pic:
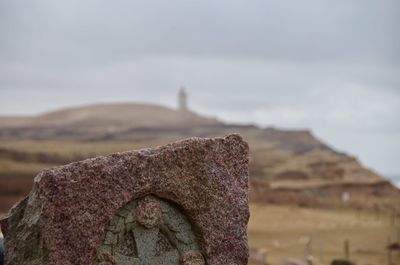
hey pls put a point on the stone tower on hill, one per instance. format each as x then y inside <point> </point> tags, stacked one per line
<point>182,100</point>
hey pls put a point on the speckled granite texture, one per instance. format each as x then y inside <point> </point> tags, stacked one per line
<point>65,217</point>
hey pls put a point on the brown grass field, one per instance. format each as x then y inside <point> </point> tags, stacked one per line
<point>283,231</point>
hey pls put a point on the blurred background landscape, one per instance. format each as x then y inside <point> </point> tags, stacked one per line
<point>313,86</point>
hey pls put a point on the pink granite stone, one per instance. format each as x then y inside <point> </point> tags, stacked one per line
<point>148,212</point>
<point>65,216</point>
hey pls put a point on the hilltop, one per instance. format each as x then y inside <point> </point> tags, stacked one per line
<point>287,166</point>
<point>100,119</point>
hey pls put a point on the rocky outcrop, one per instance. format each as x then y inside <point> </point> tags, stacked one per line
<point>190,197</point>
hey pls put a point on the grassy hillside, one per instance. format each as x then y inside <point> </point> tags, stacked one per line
<point>287,167</point>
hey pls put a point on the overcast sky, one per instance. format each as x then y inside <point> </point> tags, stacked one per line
<point>331,66</point>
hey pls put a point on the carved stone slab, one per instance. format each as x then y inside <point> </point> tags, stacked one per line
<point>149,231</point>
<point>183,203</point>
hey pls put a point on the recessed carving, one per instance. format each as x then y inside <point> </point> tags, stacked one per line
<point>148,212</point>
<point>140,233</point>
<point>192,258</point>
<point>105,259</point>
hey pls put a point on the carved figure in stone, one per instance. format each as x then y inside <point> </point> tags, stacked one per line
<point>149,231</point>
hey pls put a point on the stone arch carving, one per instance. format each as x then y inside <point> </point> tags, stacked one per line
<point>148,231</point>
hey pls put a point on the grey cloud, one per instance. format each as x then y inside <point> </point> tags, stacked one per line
<point>106,31</point>
<point>332,66</point>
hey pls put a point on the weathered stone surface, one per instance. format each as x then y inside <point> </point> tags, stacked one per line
<point>146,238</point>
<point>148,212</point>
<point>186,202</point>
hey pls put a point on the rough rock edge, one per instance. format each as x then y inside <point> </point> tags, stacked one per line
<point>219,217</point>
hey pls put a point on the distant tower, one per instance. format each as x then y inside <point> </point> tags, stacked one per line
<point>182,100</point>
